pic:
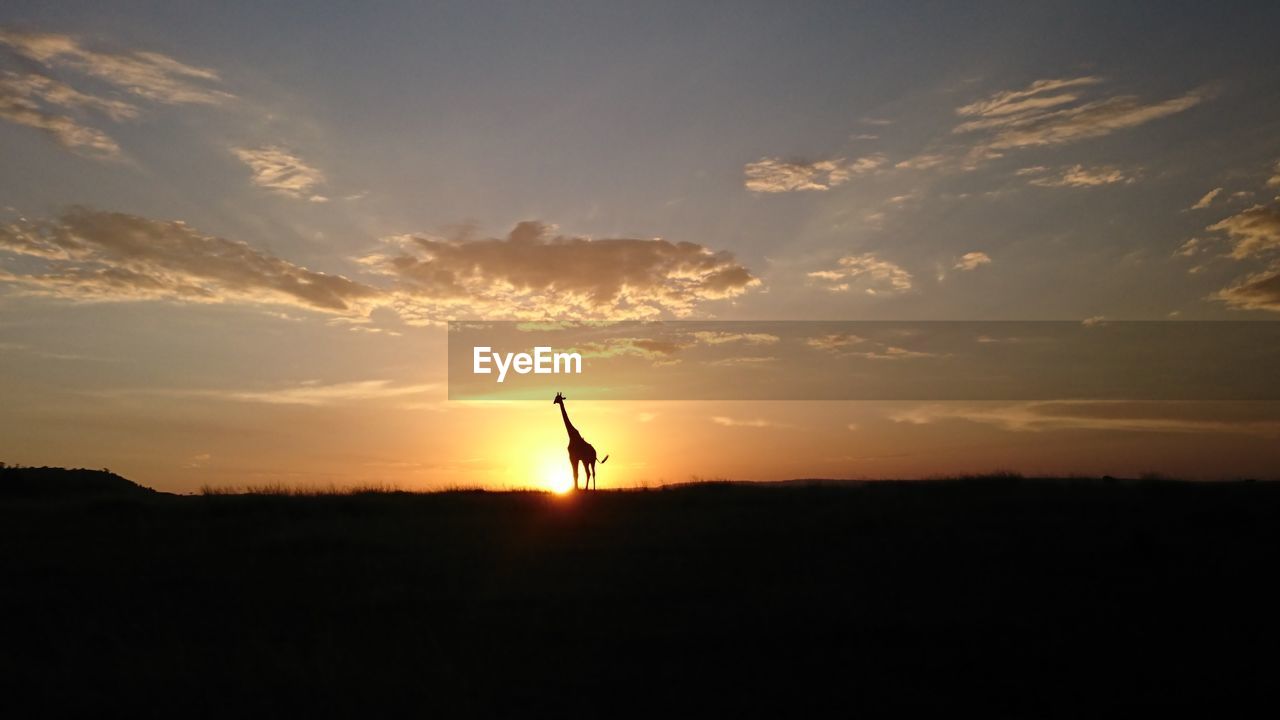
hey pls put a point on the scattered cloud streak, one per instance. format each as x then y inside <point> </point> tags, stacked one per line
<point>149,75</point>
<point>773,175</point>
<point>280,170</point>
<point>1258,291</point>
<point>973,261</point>
<point>309,393</point>
<point>1098,415</point>
<point>1253,232</point>
<point>1078,176</point>
<point>1041,115</point>
<point>747,423</point>
<point>1207,200</point>
<point>36,100</point>
<point>29,100</point>
<point>874,275</point>
<point>1049,112</point>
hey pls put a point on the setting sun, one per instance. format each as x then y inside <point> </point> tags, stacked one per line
<point>556,477</point>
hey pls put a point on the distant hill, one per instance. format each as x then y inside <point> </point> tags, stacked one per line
<point>64,482</point>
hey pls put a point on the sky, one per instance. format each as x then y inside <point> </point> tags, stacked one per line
<point>231,234</point>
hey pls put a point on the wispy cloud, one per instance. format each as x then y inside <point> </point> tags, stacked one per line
<point>1258,291</point>
<point>1042,115</point>
<point>1045,113</point>
<point>747,423</point>
<point>280,170</point>
<point>973,261</point>
<point>710,337</point>
<point>38,101</point>
<point>1037,96</point>
<point>29,100</point>
<point>64,130</point>
<point>833,342</point>
<point>1254,231</point>
<point>894,352</point>
<point>1109,416</point>
<point>744,361</point>
<point>311,393</point>
<point>1207,200</point>
<point>1078,176</point>
<point>874,275</point>
<point>150,75</point>
<point>773,175</point>
<point>53,92</point>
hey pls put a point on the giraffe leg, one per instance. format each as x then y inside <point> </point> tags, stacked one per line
<point>573,461</point>
<point>591,475</point>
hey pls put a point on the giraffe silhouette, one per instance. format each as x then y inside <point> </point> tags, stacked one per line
<point>580,451</point>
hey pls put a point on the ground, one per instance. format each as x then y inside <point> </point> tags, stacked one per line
<point>1029,597</point>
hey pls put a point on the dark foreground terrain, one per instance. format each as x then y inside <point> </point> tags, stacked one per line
<point>1027,597</point>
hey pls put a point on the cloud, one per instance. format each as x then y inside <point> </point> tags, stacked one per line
<point>648,348</point>
<point>153,76</point>
<point>1207,200</point>
<point>1078,176</point>
<point>1274,180</point>
<point>1259,291</point>
<point>1091,120</point>
<point>89,255</point>
<point>1191,248</point>
<point>710,337</point>
<point>1033,97</point>
<point>104,256</point>
<point>878,276</point>
<point>277,169</point>
<point>1254,231</point>
<point>772,175</point>
<point>310,393</point>
<point>750,423</point>
<point>534,274</point>
<point>972,261</point>
<point>833,342</point>
<point>64,130</point>
<point>747,361</point>
<point>1032,117</point>
<point>1109,416</point>
<point>53,92</point>
<point>30,98</point>
<point>895,353</point>
<point>923,161</point>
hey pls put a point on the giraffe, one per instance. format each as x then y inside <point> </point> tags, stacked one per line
<point>580,451</point>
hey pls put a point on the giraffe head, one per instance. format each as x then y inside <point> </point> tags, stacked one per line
<point>559,400</point>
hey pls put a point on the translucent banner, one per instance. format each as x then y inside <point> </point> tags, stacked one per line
<point>865,360</point>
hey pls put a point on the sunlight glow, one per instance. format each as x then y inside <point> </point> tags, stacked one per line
<point>556,476</point>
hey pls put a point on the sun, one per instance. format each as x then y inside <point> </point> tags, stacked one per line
<point>554,474</point>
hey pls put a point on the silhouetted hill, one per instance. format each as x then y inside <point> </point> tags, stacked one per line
<point>53,482</point>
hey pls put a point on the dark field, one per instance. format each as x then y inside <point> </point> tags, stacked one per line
<point>1026,597</point>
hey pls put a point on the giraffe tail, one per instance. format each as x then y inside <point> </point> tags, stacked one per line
<point>605,460</point>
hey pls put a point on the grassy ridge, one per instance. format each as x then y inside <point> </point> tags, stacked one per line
<point>1025,595</point>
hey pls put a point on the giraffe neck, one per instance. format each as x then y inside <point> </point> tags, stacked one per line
<point>567,425</point>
